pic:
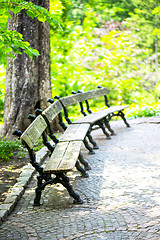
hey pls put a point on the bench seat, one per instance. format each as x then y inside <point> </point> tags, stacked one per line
<point>94,117</point>
<point>64,157</point>
<point>75,132</point>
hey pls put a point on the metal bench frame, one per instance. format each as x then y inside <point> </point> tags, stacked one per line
<point>100,118</point>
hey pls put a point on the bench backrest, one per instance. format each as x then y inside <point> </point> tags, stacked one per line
<point>80,97</point>
<point>31,135</point>
<point>83,97</point>
<point>52,111</point>
<point>49,114</point>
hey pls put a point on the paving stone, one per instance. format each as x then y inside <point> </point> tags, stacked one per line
<point>3,215</point>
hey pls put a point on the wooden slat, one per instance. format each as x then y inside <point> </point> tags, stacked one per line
<point>75,132</point>
<point>64,157</point>
<point>68,101</point>
<point>92,118</point>
<point>56,157</point>
<point>71,156</point>
<point>34,131</point>
<point>52,111</point>
<point>73,99</point>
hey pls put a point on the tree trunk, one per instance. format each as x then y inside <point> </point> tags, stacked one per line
<point>28,84</point>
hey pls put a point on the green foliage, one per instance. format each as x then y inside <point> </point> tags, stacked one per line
<point>39,145</point>
<point>156,12</point>
<point>7,149</point>
<point>116,10</point>
<point>96,56</point>
<point>11,42</point>
<point>143,22</point>
<point>143,110</point>
<point>32,10</point>
<point>99,50</point>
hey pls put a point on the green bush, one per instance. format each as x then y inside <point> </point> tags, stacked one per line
<point>7,149</point>
<point>136,111</point>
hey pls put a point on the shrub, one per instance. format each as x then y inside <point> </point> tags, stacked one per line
<point>136,111</point>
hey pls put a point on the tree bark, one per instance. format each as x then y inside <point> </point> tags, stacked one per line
<point>28,84</point>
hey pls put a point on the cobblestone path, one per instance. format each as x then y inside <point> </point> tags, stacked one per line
<point>121,196</point>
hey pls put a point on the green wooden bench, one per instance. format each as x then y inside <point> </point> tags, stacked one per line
<point>100,118</point>
<point>64,154</point>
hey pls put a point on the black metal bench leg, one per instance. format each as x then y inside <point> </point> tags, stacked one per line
<point>82,170</point>
<point>68,186</point>
<point>108,126</point>
<point>92,141</point>
<point>37,198</point>
<point>88,146</point>
<point>121,114</point>
<point>85,163</point>
<point>101,125</point>
<point>38,192</point>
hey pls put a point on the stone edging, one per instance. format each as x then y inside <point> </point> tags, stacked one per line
<point>18,189</point>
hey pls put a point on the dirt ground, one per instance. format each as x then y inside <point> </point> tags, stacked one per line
<point>9,172</point>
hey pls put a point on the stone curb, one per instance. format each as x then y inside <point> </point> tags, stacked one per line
<point>18,189</point>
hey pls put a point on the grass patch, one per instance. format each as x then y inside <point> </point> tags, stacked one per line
<point>7,149</point>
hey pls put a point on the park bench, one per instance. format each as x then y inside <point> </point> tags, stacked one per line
<point>66,151</point>
<point>64,154</point>
<point>71,132</point>
<point>100,118</point>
